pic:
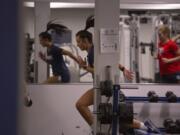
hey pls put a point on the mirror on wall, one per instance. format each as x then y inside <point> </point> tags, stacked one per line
<point>140,38</point>
<point>74,20</point>
<point>138,41</point>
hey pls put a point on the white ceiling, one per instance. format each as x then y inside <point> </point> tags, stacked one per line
<point>121,1</point>
<point>124,4</point>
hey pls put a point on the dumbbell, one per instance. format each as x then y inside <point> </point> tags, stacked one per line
<point>152,96</point>
<point>170,125</point>
<point>178,125</point>
<point>121,96</point>
<point>171,97</point>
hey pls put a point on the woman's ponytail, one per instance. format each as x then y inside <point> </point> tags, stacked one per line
<point>89,22</point>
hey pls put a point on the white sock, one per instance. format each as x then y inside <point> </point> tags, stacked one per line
<point>142,126</point>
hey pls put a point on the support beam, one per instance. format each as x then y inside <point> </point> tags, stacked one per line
<point>106,46</point>
<point>42,17</point>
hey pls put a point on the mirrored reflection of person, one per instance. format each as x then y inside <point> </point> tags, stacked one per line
<point>55,59</point>
<point>169,56</point>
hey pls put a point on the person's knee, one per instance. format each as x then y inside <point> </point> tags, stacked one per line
<point>78,105</point>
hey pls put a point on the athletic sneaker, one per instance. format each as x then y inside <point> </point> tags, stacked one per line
<point>151,127</point>
<point>140,132</point>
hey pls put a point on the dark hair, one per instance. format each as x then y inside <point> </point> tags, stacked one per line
<point>58,28</point>
<point>89,22</point>
<point>84,34</point>
<point>45,35</point>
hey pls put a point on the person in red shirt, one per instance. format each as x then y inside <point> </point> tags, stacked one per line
<point>169,57</point>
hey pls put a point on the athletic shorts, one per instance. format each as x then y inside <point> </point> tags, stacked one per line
<point>171,78</point>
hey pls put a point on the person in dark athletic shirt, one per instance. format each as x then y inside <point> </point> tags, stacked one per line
<point>55,59</point>
<point>84,41</point>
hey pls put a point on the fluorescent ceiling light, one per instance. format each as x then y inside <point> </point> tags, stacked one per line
<point>63,5</point>
<point>71,5</point>
<point>29,4</point>
<point>150,6</point>
<point>122,6</point>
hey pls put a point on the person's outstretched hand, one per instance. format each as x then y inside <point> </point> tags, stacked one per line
<point>128,74</point>
<point>81,62</point>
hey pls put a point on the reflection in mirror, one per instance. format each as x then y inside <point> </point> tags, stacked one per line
<point>30,71</point>
<point>74,20</point>
<point>29,43</point>
<point>138,41</point>
<point>139,45</point>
